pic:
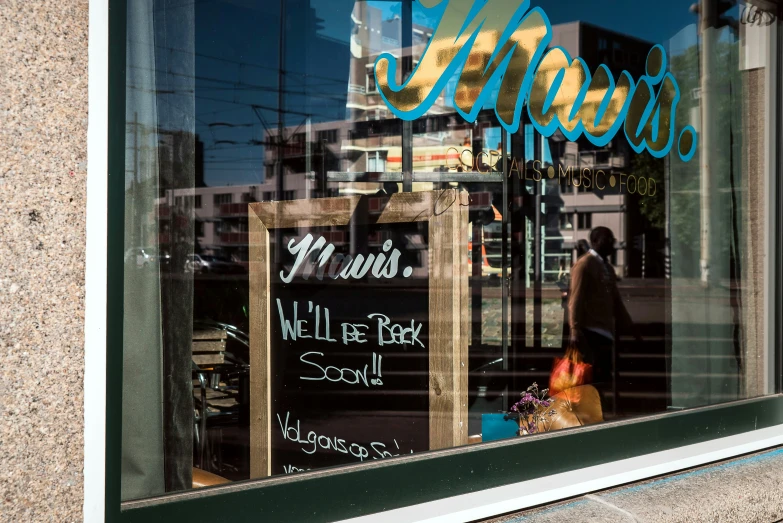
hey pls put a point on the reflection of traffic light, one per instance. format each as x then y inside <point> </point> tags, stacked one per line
<point>713,13</point>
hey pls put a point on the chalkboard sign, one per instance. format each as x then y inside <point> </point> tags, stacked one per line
<point>357,337</point>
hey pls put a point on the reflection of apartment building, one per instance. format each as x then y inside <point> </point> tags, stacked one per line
<point>367,150</point>
<point>582,208</point>
<point>378,148</point>
<point>370,140</point>
<point>221,221</point>
<point>220,217</point>
<point>220,214</point>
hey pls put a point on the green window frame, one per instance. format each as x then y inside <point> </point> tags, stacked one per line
<point>365,489</point>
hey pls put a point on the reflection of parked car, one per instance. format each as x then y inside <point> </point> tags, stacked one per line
<point>202,263</point>
<point>165,259</point>
<point>143,256</point>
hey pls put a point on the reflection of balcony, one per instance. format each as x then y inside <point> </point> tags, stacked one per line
<point>601,160</point>
<point>236,210</point>
<point>356,47</point>
<point>359,98</point>
<point>290,150</point>
<point>233,238</point>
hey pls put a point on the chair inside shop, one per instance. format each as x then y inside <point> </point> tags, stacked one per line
<point>220,392</point>
<point>202,478</point>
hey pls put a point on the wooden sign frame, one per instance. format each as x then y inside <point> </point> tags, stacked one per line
<point>447,214</point>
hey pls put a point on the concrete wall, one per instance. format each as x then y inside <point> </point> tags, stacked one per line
<point>43,169</point>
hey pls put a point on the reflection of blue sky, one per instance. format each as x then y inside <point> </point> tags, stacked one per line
<point>237,75</point>
<point>546,153</point>
<point>491,141</point>
<point>654,21</point>
<point>491,138</point>
<point>237,64</point>
<point>333,14</point>
<point>683,40</point>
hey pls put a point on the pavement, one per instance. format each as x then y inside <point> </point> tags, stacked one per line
<point>746,490</point>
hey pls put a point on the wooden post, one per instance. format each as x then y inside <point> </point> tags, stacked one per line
<point>260,409</point>
<point>448,342</point>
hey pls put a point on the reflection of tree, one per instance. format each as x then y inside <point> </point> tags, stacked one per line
<point>652,208</point>
<point>140,226</point>
<point>685,178</point>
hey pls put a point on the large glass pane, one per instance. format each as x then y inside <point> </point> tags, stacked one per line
<point>361,229</point>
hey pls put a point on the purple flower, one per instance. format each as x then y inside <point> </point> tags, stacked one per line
<point>531,408</point>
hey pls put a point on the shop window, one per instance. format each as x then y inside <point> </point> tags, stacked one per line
<point>221,199</point>
<point>327,136</point>
<point>375,163</point>
<point>302,338</point>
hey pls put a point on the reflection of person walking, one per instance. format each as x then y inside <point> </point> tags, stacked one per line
<point>595,310</point>
<point>582,247</point>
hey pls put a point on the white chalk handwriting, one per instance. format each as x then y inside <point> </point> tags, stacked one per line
<point>388,333</point>
<point>317,257</point>
<point>345,375</point>
<point>314,442</point>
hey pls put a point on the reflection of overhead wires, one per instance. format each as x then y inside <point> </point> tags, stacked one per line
<point>266,107</point>
<point>228,124</point>
<point>236,86</point>
<point>234,148</point>
<point>241,104</point>
<point>244,63</point>
<point>327,96</point>
<point>234,160</point>
<point>204,85</point>
<point>234,169</point>
<point>171,7</point>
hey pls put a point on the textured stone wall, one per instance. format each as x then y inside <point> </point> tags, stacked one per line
<point>755,215</point>
<point>43,170</point>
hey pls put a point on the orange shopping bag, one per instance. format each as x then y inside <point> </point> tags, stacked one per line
<point>569,371</point>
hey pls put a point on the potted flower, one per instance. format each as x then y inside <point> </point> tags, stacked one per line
<point>532,409</point>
